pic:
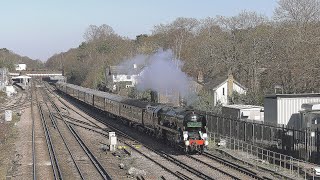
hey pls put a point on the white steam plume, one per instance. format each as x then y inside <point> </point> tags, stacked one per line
<point>162,73</point>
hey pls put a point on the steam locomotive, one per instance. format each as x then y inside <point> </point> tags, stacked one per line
<point>180,127</point>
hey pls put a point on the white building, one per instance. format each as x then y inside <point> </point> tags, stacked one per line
<point>120,76</point>
<point>284,109</point>
<point>223,87</point>
<point>241,111</point>
<point>21,67</point>
<point>23,81</point>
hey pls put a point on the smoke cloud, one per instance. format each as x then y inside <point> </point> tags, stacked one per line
<point>161,73</point>
<point>139,61</point>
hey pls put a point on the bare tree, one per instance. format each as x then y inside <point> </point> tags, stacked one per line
<point>102,32</point>
<point>298,11</point>
<point>244,20</point>
<point>179,30</point>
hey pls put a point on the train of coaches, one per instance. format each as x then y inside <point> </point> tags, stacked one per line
<point>181,127</point>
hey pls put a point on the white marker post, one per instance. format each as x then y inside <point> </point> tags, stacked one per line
<point>8,115</point>
<point>112,141</point>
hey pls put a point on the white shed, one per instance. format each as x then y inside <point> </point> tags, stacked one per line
<point>284,108</point>
<point>242,111</point>
<point>10,90</point>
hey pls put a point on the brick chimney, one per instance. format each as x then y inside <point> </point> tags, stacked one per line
<point>230,83</point>
<point>200,77</point>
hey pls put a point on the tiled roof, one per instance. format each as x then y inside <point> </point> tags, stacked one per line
<point>218,80</point>
<point>214,82</point>
<point>116,70</point>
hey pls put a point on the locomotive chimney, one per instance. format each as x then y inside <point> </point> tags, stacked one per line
<point>230,83</point>
<point>200,77</point>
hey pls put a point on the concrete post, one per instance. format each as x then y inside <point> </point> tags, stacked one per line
<point>112,141</point>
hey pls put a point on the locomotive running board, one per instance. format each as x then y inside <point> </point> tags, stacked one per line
<point>168,129</point>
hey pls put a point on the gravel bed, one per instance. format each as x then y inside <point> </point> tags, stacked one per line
<point>8,136</point>
<point>12,100</point>
<point>203,168</point>
<point>222,167</point>
<point>14,139</point>
<point>252,162</point>
<point>23,145</point>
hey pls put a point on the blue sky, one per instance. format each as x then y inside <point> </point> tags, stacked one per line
<point>41,28</point>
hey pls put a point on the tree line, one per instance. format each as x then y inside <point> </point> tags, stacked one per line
<point>262,53</point>
<point>8,59</point>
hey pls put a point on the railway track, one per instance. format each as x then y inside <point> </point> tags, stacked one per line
<point>217,166</point>
<point>33,142</point>
<point>96,128</point>
<point>237,170</point>
<point>51,149</point>
<point>168,157</point>
<point>19,104</point>
<point>233,166</point>
<point>179,175</point>
<point>104,174</point>
<point>103,132</point>
<point>55,168</point>
<point>67,127</point>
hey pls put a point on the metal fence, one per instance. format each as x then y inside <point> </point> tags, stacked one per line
<point>296,143</point>
<point>272,161</point>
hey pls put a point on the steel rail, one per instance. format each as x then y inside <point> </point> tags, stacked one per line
<point>67,146</point>
<point>178,175</point>
<point>33,140</point>
<point>215,168</point>
<point>53,159</point>
<point>233,165</point>
<point>104,174</point>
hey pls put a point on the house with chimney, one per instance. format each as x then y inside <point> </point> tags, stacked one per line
<point>222,87</point>
<point>120,77</point>
<point>20,67</point>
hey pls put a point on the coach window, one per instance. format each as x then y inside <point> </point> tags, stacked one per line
<point>315,120</point>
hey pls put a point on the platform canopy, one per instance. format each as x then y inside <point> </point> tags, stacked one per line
<point>21,77</point>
